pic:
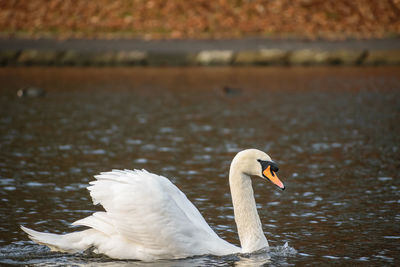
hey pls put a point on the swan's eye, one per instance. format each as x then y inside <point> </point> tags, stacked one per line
<point>265,164</point>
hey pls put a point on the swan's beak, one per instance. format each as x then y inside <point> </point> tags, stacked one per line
<point>268,173</point>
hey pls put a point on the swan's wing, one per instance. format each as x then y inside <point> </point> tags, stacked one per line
<point>151,213</point>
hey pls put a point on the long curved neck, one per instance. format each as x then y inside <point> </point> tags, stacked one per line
<point>248,222</point>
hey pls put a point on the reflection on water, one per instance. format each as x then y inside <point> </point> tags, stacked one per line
<point>334,131</point>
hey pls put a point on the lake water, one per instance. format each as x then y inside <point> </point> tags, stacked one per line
<point>335,133</point>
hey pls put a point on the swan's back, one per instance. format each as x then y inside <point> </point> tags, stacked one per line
<point>146,217</point>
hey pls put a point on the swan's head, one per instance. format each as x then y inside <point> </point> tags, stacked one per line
<point>254,162</point>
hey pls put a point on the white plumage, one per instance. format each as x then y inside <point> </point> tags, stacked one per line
<point>147,218</point>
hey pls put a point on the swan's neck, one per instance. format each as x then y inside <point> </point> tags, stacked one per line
<point>248,222</point>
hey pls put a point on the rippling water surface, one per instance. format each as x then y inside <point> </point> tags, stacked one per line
<point>334,131</point>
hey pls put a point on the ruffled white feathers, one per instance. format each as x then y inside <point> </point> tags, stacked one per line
<point>146,217</point>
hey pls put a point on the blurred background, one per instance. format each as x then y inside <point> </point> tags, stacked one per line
<point>201,19</point>
<point>178,88</point>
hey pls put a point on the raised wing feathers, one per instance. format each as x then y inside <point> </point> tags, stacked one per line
<point>150,212</point>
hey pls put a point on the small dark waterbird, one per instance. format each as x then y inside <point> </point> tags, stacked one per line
<point>31,92</point>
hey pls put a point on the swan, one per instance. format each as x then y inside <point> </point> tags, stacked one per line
<point>148,218</point>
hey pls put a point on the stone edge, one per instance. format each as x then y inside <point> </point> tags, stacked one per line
<point>261,57</point>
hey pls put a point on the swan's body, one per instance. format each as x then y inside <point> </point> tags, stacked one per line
<point>147,217</point>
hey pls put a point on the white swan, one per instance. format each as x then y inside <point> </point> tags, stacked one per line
<point>148,218</point>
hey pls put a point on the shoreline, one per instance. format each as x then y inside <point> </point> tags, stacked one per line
<point>233,52</point>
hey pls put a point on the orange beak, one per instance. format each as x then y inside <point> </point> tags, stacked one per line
<point>268,173</point>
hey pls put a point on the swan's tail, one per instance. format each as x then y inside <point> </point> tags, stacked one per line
<point>72,242</point>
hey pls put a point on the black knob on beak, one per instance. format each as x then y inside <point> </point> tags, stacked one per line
<point>274,166</point>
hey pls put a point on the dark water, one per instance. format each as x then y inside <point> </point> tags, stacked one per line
<point>334,131</point>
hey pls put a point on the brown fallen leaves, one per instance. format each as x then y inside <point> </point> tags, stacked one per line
<point>152,19</point>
